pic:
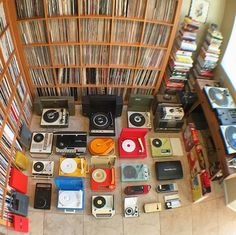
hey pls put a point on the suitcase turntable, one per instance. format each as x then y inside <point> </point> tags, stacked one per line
<point>219,97</point>
<point>229,137</point>
<point>41,142</point>
<point>161,147</point>
<point>139,120</point>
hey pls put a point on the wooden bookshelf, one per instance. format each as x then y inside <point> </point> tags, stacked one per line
<point>118,46</point>
<point>15,106</point>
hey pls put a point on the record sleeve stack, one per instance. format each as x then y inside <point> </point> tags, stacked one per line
<point>209,54</point>
<point>181,60</point>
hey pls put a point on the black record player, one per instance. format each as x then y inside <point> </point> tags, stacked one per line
<point>102,124</point>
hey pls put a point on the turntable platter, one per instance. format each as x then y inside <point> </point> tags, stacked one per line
<point>101,120</point>
<point>99,175</point>
<point>99,202</point>
<point>130,172</point>
<point>38,166</point>
<point>157,143</point>
<point>38,137</point>
<point>218,96</point>
<point>67,198</point>
<point>137,119</point>
<point>68,165</point>
<point>230,134</point>
<point>128,146</point>
<point>51,115</point>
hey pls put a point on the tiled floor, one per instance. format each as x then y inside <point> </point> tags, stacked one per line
<point>209,217</point>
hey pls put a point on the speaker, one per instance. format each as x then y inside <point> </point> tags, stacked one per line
<point>230,191</point>
<point>43,102</point>
<point>42,198</point>
<point>102,103</point>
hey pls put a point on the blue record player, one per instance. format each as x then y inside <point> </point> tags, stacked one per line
<point>70,193</point>
<point>134,172</point>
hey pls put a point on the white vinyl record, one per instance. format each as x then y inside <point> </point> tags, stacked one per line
<point>67,198</point>
<point>68,165</point>
<point>99,175</point>
<point>128,146</point>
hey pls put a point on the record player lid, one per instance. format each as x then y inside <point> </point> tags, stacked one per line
<point>141,103</point>
<point>133,132</point>
<point>106,161</point>
<point>69,183</point>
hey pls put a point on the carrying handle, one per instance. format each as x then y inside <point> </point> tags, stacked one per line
<point>69,211</point>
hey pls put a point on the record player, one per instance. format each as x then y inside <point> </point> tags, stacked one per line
<point>161,147</point>
<point>229,137</point>
<point>139,111</point>
<point>102,146</point>
<point>102,173</point>
<point>71,142</point>
<point>226,116</point>
<point>41,142</point>
<point>102,110</point>
<point>103,206</point>
<point>42,169</point>
<point>132,143</point>
<point>134,172</point>
<point>131,207</point>
<point>76,167</point>
<point>70,193</point>
<point>172,113</point>
<point>55,117</point>
<point>219,97</point>
<point>42,196</point>
<point>102,124</point>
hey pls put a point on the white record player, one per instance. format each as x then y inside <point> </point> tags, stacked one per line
<point>219,97</point>
<point>131,207</point>
<point>172,113</point>
<point>43,169</point>
<point>139,119</point>
<point>41,142</point>
<point>55,117</point>
<point>70,199</point>
<point>103,206</point>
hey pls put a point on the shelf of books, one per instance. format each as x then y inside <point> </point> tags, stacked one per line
<point>15,108</point>
<point>75,47</point>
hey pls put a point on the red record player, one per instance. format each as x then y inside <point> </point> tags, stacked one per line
<point>132,143</point>
<point>102,173</point>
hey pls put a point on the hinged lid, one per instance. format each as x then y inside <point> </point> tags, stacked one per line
<point>103,161</point>
<point>25,135</point>
<point>69,183</point>
<point>140,103</point>
<point>133,132</point>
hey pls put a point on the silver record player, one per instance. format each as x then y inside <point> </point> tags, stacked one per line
<point>41,142</point>
<point>219,97</point>
<point>43,169</point>
<point>229,137</point>
<point>139,119</point>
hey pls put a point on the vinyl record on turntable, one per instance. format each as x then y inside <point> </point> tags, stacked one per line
<point>137,119</point>
<point>51,115</point>
<point>100,120</point>
<point>38,137</point>
<point>157,143</point>
<point>38,166</point>
<point>218,96</point>
<point>129,172</point>
<point>99,175</point>
<point>230,134</point>
<point>99,202</point>
<point>68,165</point>
<point>128,145</point>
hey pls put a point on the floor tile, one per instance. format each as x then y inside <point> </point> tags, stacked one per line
<point>112,226</point>
<point>61,224</point>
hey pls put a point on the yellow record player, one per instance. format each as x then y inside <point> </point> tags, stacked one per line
<point>76,167</point>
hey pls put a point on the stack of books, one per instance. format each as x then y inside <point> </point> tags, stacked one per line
<point>181,61</point>
<point>209,54</point>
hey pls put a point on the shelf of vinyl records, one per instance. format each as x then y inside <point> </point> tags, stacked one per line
<point>128,41</point>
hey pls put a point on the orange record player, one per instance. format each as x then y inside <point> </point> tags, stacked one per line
<point>101,146</point>
<point>132,143</point>
<point>76,167</point>
<point>102,173</point>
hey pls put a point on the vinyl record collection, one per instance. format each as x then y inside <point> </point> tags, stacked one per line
<point>181,60</point>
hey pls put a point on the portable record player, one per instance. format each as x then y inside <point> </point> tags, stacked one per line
<point>71,142</point>
<point>161,147</point>
<point>226,116</point>
<point>70,193</point>
<point>55,117</point>
<point>102,173</point>
<point>102,124</point>
<point>41,142</point>
<point>132,143</point>
<point>229,137</point>
<point>103,206</point>
<point>172,113</point>
<point>131,207</point>
<point>76,167</point>
<point>139,111</point>
<point>134,172</point>
<point>42,169</point>
<point>219,97</point>
<point>101,146</point>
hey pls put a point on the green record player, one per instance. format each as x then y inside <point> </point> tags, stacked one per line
<point>141,103</point>
<point>161,147</point>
